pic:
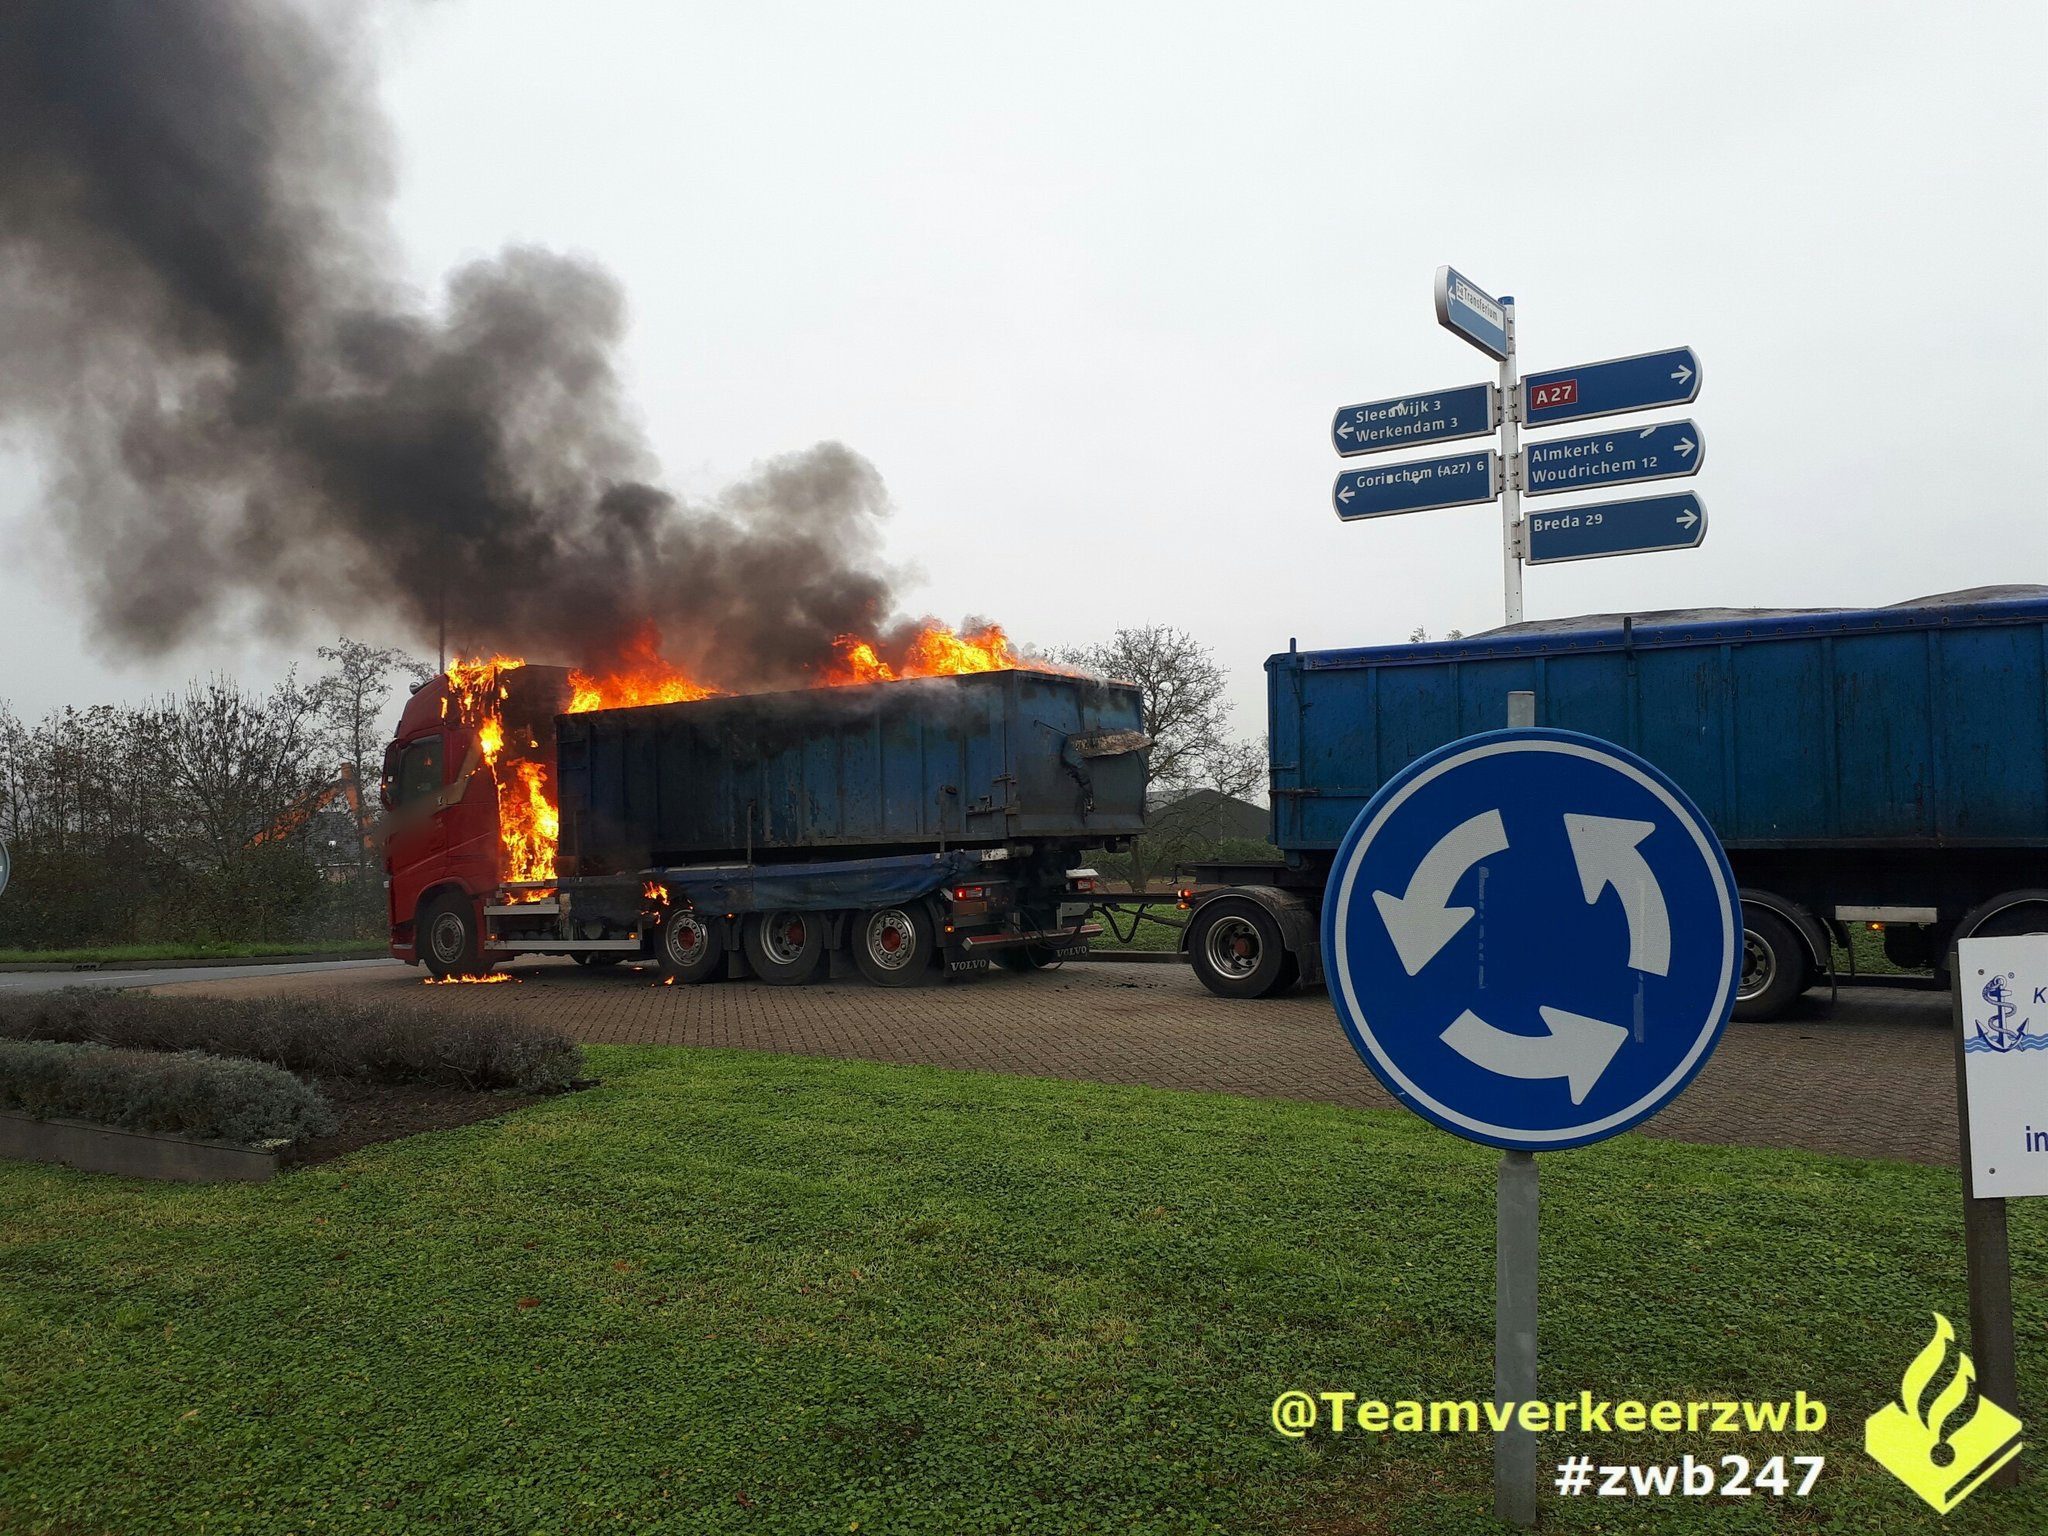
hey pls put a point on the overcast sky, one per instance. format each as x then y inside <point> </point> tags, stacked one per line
<point>1085,282</point>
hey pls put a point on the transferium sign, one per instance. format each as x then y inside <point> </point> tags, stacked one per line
<point>1417,485</point>
<point>1404,421</point>
<point>1464,307</point>
<point>1531,937</point>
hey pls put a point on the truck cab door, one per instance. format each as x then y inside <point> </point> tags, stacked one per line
<point>416,835</point>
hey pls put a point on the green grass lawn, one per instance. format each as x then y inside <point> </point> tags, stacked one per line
<point>101,954</point>
<point>737,1292</point>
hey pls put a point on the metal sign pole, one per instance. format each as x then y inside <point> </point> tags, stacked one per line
<point>1511,472</point>
<point>1986,1253</point>
<point>1514,1284</point>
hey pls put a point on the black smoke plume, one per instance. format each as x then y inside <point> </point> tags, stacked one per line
<point>242,414</point>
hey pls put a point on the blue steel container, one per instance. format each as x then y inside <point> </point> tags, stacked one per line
<point>1918,726</point>
<point>978,760</point>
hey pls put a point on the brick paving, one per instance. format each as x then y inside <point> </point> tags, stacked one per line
<point>1871,1077</point>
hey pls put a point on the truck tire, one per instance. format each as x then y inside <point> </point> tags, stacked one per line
<point>446,931</point>
<point>894,946</point>
<point>1771,970</point>
<point>687,948</point>
<point>1235,949</point>
<point>2006,916</point>
<point>784,948</point>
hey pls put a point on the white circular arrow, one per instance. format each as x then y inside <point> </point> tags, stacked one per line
<point>1421,923</point>
<point>1577,1048</point>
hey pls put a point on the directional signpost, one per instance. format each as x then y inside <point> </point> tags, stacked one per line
<point>1644,383</point>
<point>1438,416</point>
<point>1418,485</point>
<point>1669,451</point>
<point>1616,528</point>
<point>1531,937</point>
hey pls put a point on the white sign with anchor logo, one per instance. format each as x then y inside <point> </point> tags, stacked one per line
<point>2004,988</point>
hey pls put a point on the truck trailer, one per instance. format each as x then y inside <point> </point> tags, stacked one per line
<point>894,829</point>
<point>1877,768</point>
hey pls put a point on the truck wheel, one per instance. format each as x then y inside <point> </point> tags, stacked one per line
<point>2007,916</point>
<point>784,948</point>
<point>1235,948</point>
<point>446,930</point>
<point>894,946</point>
<point>687,949</point>
<point>1772,968</point>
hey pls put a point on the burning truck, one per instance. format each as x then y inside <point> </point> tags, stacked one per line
<point>894,821</point>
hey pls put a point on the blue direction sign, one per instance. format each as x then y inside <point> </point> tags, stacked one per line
<point>1621,384</point>
<point>1668,451</point>
<point>1531,938</point>
<point>1468,309</point>
<point>1434,416</point>
<point>1616,528</point>
<point>1418,485</point>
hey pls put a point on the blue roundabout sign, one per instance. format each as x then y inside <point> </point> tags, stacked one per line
<point>1531,937</point>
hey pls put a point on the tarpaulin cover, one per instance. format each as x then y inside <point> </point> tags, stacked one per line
<point>861,883</point>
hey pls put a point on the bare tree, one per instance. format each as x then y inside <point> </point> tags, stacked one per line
<point>1186,715</point>
<point>234,761</point>
<point>352,700</point>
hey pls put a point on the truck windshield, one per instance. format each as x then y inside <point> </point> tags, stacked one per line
<point>418,773</point>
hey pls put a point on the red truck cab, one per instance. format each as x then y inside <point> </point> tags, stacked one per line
<point>441,848</point>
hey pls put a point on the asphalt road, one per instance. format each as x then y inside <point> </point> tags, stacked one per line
<point>1873,1076</point>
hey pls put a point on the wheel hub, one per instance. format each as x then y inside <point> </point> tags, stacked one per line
<point>891,940</point>
<point>1233,946</point>
<point>783,936</point>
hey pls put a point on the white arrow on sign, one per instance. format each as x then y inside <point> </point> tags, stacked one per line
<point>1604,847</point>
<point>1681,373</point>
<point>1687,519</point>
<point>1420,923</point>
<point>1577,1048</point>
<point>1684,447</point>
<point>1346,494</point>
<point>1345,430</point>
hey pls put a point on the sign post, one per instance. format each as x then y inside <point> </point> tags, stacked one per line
<point>1531,938</point>
<point>1511,550</point>
<point>1515,1206</point>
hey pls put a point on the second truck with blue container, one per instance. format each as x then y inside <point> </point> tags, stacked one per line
<point>1883,769</point>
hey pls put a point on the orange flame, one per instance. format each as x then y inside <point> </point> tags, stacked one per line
<point>465,981</point>
<point>642,675</point>
<point>528,825</point>
<point>935,651</point>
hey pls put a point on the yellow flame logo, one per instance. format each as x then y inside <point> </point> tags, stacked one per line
<point>1925,1439</point>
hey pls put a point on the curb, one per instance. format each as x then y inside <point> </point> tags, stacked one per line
<point>132,1154</point>
<point>187,964</point>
